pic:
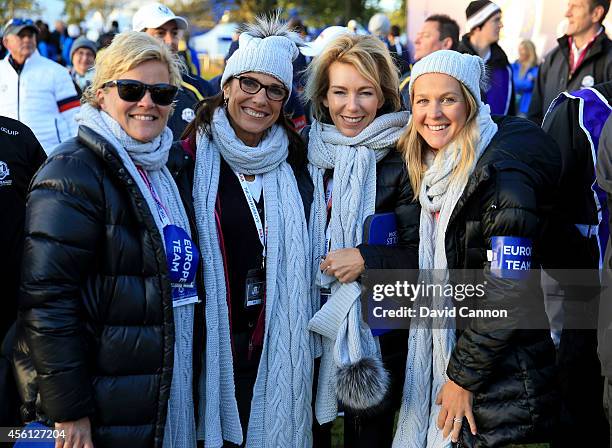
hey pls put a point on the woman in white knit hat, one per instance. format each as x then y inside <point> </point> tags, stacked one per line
<point>250,173</point>
<point>483,186</point>
<point>356,171</point>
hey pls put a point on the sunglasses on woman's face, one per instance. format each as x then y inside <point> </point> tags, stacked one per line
<point>132,91</point>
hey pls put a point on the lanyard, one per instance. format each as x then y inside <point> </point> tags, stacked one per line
<point>161,210</point>
<point>261,233</point>
<point>575,64</point>
<point>329,186</point>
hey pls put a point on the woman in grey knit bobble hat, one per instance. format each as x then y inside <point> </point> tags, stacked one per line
<point>356,170</point>
<point>483,185</point>
<point>248,182</point>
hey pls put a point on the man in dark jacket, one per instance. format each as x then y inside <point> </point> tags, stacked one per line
<point>575,121</point>
<point>484,22</point>
<point>582,59</point>
<point>604,179</point>
<point>160,22</point>
<point>20,157</point>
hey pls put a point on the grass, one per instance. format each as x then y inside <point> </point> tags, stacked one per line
<point>337,433</point>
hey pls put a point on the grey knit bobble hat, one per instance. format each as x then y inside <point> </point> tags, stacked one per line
<point>83,42</point>
<point>268,47</point>
<point>468,69</point>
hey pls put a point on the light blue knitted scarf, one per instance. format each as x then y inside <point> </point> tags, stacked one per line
<point>430,344</point>
<point>346,340</point>
<point>281,415</point>
<point>152,157</point>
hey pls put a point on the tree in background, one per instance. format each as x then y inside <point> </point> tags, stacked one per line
<point>17,8</point>
<point>205,13</point>
<point>76,10</point>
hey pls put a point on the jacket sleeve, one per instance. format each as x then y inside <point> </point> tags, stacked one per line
<point>509,209</point>
<point>535,112</point>
<point>527,83</point>
<point>36,153</point>
<point>604,158</point>
<point>64,225</point>
<point>68,102</point>
<point>512,103</point>
<point>405,254</point>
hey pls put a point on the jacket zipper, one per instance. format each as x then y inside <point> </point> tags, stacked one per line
<point>57,133</point>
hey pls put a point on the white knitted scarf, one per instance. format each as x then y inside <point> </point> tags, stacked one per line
<point>152,157</point>
<point>281,414</point>
<point>429,350</point>
<point>346,338</point>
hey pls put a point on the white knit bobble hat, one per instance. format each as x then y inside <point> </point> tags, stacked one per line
<point>468,69</point>
<point>272,55</point>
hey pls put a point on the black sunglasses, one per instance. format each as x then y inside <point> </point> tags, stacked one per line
<point>132,91</point>
<point>252,86</point>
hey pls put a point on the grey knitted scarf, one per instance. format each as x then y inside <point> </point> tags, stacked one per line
<point>152,158</point>
<point>281,413</point>
<point>429,350</point>
<point>348,347</point>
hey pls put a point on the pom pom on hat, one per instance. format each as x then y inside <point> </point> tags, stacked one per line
<point>266,46</point>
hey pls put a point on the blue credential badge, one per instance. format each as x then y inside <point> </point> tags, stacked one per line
<point>380,229</point>
<point>183,258</point>
<point>511,256</point>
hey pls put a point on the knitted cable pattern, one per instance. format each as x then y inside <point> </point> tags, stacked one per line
<point>348,346</point>
<point>281,413</point>
<point>179,429</point>
<point>429,350</point>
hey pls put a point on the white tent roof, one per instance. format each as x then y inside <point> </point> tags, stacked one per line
<point>216,42</point>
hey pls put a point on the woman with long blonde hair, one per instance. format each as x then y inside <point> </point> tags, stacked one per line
<point>525,73</point>
<point>482,184</point>
<point>356,171</point>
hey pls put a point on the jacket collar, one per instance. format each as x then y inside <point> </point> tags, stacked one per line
<point>100,146</point>
<point>498,56</point>
<point>598,47</point>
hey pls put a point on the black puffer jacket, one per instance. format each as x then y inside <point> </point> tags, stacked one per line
<point>510,372</point>
<point>394,194</point>
<point>96,319</point>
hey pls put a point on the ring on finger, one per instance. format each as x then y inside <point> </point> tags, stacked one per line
<point>457,420</point>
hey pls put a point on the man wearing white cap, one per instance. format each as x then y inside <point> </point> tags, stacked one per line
<point>160,22</point>
<point>484,24</point>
